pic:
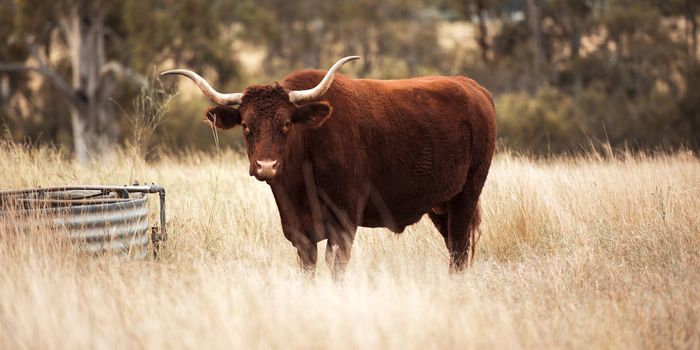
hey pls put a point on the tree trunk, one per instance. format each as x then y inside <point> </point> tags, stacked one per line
<point>575,46</point>
<point>365,47</point>
<point>482,40</point>
<point>91,117</point>
<point>5,92</point>
<point>535,24</point>
<point>692,7</point>
<point>81,141</point>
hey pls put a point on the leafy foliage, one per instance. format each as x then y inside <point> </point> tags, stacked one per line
<point>565,73</point>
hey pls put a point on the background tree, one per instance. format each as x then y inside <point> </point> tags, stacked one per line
<point>81,26</point>
<point>564,73</point>
<point>104,40</point>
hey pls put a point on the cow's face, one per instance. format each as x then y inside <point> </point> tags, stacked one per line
<point>269,121</point>
<point>270,117</point>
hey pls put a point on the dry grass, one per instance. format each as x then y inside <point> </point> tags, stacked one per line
<point>576,253</point>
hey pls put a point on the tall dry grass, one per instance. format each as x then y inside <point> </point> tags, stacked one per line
<point>576,253</point>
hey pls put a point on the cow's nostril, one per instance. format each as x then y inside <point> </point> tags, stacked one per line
<point>266,168</point>
<point>266,164</point>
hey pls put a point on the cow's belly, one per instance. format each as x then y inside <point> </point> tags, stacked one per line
<point>373,218</point>
<point>402,201</point>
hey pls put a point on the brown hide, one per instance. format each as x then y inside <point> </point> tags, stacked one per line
<point>389,152</point>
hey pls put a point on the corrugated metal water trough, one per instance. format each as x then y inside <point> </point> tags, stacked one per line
<point>100,219</point>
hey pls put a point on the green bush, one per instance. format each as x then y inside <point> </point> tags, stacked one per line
<point>550,121</point>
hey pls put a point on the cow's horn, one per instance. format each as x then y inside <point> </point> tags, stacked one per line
<point>213,95</point>
<point>322,87</point>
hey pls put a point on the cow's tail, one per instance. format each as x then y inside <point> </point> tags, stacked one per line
<point>474,232</point>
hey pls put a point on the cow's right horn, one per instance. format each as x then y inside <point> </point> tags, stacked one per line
<point>323,86</point>
<point>213,95</point>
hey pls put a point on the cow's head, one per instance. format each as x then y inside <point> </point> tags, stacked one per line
<point>269,116</point>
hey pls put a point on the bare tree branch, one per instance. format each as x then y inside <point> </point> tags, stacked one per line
<point>56,78</point>
<point>119,69</point>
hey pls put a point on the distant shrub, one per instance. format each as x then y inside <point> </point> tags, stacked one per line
<point>547,122</point>
<point>553,121</point>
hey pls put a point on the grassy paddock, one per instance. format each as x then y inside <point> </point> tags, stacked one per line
<point>582,253</point>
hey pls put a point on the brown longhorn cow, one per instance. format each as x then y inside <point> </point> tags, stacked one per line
<point>339,153</point>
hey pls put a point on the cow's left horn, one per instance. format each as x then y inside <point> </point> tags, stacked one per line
<point>322,87</point>
<point>213,95</point>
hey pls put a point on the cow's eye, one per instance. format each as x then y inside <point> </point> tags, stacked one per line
<point>246,129</point>
<point>287,125</point>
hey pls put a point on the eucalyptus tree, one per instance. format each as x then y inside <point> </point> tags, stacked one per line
<point>92,51</point>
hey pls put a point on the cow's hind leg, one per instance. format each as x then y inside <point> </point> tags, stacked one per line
<point>440,221</point>
<point>463,219</point>
<point>458,234</point>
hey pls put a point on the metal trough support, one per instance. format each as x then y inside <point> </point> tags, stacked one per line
<point>102,218</point>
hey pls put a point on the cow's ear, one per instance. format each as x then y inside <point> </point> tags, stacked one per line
<point>312,114</point>
<point>223,117</point>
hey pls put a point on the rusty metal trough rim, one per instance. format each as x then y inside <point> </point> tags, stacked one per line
<point>105,189</point>
<point>123,193</point>
<point>82,206</point>
<point>75,202</point>
<point>133,188</point>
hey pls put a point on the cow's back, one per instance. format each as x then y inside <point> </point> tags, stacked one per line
<point>411,142</point>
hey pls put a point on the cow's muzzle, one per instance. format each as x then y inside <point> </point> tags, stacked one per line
<point>266,169</point>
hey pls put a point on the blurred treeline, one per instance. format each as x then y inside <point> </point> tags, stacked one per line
<point>566,74</point>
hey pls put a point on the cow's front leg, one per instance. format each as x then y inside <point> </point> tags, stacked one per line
<point>338,250</point>
<point>307,252</point>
